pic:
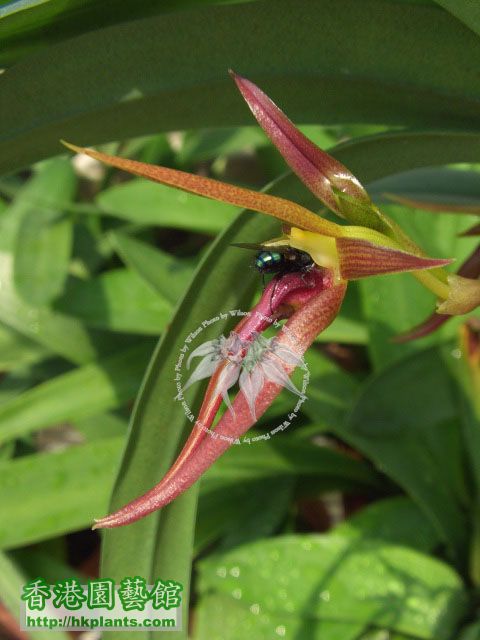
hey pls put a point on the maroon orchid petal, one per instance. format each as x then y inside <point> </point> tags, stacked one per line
<point>311,302</point>
<point>315,168</point>
<point>360,258</point>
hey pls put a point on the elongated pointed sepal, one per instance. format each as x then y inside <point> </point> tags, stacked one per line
<point>285,210</point>
<point>363,252</point>
<point>360,258</point>
<point>319,171</point>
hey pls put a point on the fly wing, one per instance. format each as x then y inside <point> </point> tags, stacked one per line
<point>247,245</point>
<point>260,247</point>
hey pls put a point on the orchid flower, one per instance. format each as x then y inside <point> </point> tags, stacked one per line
<point>308,302</point>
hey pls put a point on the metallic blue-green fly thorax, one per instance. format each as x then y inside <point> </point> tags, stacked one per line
<point>268,261</point>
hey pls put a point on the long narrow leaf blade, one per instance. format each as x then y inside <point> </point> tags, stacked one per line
<point>154,86</point>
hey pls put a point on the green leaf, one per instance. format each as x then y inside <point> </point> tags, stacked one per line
<point>44,240</point>
<point>26,376</point>
<point>47,494</point>
<point>431,184</point>
<point>462,363</point>
<point>156,149</point>
<point>59,333</point>
<point>218,617</point>
<point>394,520</point>
<point>405,421</point>
<point>345,330</point>
<point>111,425</point>
<point>12,580</point>
<point>335,578</point>
<point>472,632</point>
<point>78,394</point>
<point>383,634</point>
<point>208,144</point>
<point>166,274</point>
<point>226,509</point>
<point>330,79</point>
<point>29,25</point>
<point>462,366</point>
<point>246,493</point>
<point>16,350</point>
<point>164,207</point>
<point>16,382</point>
<point>405,151</point>
<point>329,392</point>
<point>91,248</point>
<point>42,256</point>
<point>7,451</point>
<point>46,561</point>
<point>289,456</point>
<point>467,12</point>
<point>349,325</point>
<point>117,300</point>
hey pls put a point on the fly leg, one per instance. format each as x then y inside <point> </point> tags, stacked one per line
<point>273,293</point>
<point>304,272</point>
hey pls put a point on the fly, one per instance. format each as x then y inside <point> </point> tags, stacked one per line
<point>279,260</point>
